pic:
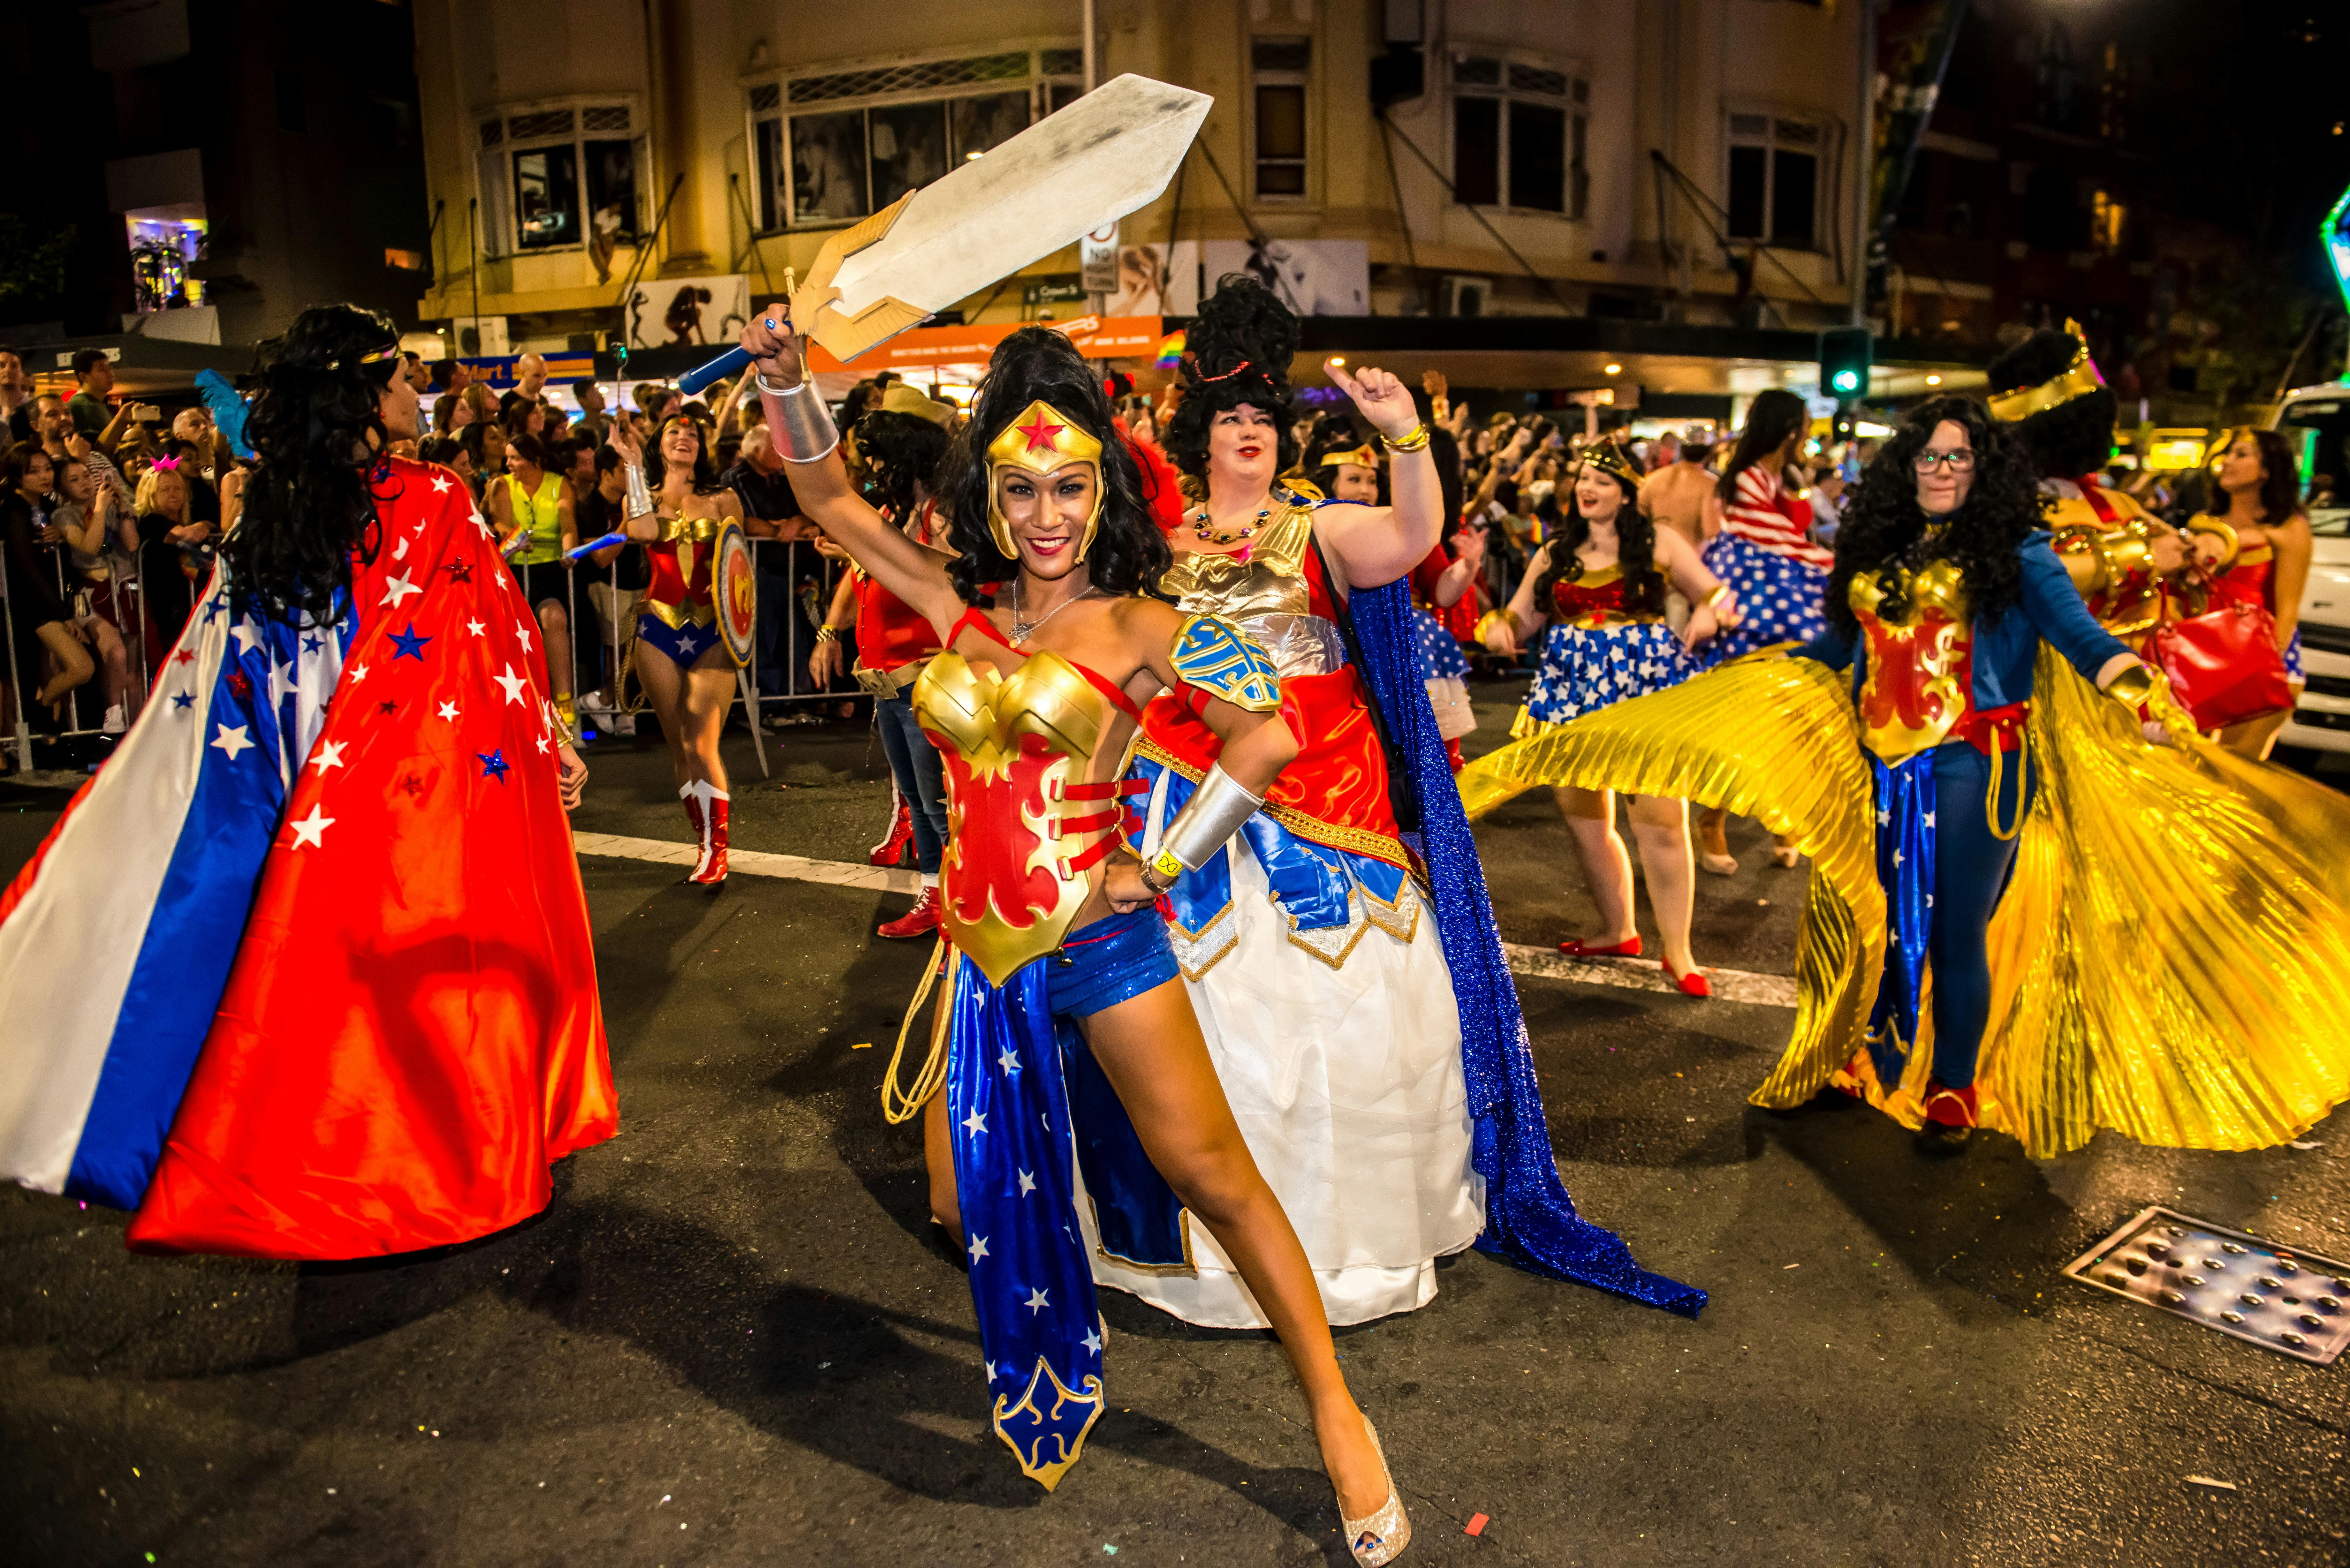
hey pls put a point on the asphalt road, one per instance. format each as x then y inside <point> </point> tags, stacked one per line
<point>733,1339</point>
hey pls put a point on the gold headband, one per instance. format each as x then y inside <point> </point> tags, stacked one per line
<point>1364,456</point>
<point>2079,379</point>
<point>378,357</point>
<point>1042,441</point>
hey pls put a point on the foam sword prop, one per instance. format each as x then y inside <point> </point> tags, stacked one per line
<point>1111,152</point>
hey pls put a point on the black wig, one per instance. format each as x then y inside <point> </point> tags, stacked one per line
<point>901,451</point>
<point>1237,350</point>
<point>2075,437</point>
<point>1885,527</point>
<point>705,471</point>
<point>1635,551</point>
<point>318,429</point>
<point>1774,416</point>
<point>1129,551</point>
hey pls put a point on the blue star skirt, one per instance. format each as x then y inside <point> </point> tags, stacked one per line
<point>1029,1105</point>
<point>1439,651</point>
<point>1585,669</point>
<point>1779,598</point>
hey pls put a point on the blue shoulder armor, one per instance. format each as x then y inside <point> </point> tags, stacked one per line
<point>1224,661</point>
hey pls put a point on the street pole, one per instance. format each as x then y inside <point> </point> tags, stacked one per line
<point>1864,133</point>
<point>1093,58</point>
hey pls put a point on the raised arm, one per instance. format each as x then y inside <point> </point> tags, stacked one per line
<point>802,430</point>
<point>1377,544</point>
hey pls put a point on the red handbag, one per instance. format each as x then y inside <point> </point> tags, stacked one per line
<point>2224,665</point>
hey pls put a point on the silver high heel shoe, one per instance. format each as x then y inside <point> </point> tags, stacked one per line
<point>1381,1538</point>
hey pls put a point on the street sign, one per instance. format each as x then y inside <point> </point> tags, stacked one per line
<point>1097,259</point>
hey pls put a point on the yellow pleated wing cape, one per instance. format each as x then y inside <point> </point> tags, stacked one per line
<point>2171,957</point>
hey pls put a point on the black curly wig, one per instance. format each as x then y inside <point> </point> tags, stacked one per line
<point>1635,552</point>
<point>902,453</point>
<point>2075,437</point>
<point>1885,527</point>
<point>1129,551</point>
<point>317,428</point>
<point>1237,350</point>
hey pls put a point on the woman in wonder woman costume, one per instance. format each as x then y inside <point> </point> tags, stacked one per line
<point>682,664</point>
<point>1066,1018</point>
<point>1598,587</point>
<point>1975,809</point>
<point>2268,566</point>
<point>1339,951</point>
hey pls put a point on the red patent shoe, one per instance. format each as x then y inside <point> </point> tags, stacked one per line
<point>1575,947</point>
<point>710,865</point>
<point>892,849</point>
<point>1951,1118</point>
<point>1693,984</point>
<point>920,920</point>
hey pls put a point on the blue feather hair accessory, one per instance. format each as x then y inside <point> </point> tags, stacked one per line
<point>227,410</point>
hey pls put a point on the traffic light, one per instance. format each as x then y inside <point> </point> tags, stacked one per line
<point>1845,353</point>
<point>1845,426</point>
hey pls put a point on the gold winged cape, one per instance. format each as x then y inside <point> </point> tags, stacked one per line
<point>2167,959</point>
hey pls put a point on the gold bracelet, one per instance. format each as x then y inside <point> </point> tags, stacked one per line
<point>1485,621</point>
<point>1720,592</point>
<point>827,632</point>
<point>1414,442</point>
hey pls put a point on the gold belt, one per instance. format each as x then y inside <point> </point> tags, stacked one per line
<point>887,683</point>
<point>690,530</point>
<point>675,617</point>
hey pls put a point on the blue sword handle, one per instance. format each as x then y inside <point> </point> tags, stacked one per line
<point>730,363</point>
<point>582,552</point>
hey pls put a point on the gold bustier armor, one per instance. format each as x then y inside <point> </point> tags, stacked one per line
<point>688,534</point>
<point>1265,595</point>
<point>1013,747</point>
<point>1914,692</point>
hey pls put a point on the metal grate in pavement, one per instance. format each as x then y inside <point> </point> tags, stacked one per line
<point>2293,1302</point>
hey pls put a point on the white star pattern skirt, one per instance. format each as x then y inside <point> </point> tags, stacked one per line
<point>1780,598</point>
<point>1446,668</point>
<point>1585,669</point>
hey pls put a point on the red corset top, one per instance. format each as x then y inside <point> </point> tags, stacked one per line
<point>1594,599</point>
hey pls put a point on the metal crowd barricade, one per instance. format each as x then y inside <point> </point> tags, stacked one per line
<point>800,686</point>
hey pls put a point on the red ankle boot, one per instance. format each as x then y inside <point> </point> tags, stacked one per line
<point>920,920</point>
<point>892,849</point>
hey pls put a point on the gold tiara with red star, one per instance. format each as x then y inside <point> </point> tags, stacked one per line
<point>1042,441</point>
<point>1364,456</point>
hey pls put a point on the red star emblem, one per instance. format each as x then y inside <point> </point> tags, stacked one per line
<point>1042,433</point>
<point>183,657</point>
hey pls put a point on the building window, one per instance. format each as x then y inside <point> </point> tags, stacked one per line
<point>1521,134</point>
<point>1774,179</point>
<point>832,147</point>
<point>1279,67</point>
<point>555,176</point>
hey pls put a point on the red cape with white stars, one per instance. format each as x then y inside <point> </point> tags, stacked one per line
<point>411,1031</point>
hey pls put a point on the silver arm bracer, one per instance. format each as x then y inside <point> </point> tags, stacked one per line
<point>1207,822</point>
<point>799,422</point>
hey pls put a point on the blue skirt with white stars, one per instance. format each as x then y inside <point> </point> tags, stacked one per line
<point>1780,598</point>
<point>1585,669</point>
<point>1440,656</point>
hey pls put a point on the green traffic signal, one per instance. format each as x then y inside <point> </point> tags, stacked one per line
<point>1844,354</point>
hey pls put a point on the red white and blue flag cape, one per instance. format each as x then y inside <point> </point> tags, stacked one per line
<point>305,972</point>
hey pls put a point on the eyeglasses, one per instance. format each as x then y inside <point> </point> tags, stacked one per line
<point>1961,461</point>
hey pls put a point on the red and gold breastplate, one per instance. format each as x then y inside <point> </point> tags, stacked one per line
<point>1024,826</point>
<point>679,562</point>
<point>1594,599</point>
<point>1916,690</point>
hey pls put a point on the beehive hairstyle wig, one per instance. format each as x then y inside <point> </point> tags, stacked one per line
<point>2072,439</point>
<point>1237,350</point>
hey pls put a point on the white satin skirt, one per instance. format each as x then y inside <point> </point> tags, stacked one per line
<point>1347,1087</point>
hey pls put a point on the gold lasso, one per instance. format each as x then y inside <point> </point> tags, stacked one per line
<point>899,1104</point>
